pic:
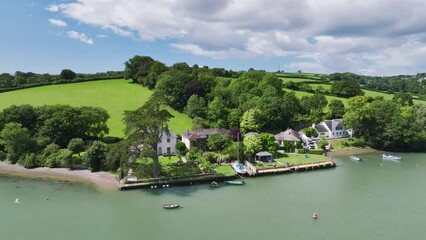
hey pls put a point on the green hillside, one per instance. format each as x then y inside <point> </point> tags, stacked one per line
<point>115,96</point>
<point>327,86</point>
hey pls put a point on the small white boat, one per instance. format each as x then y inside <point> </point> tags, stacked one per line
<point>17,200</point>
<point>239,168</point>
<point>171,206</point>
<point>391,157</point>
<point>355,158</point>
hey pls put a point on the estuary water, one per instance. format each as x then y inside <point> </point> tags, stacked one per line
<point>372,199</point>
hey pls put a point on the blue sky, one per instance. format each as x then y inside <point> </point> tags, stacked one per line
<point>324,36</point>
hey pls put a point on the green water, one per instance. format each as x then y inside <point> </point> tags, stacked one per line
<point>373,199</point>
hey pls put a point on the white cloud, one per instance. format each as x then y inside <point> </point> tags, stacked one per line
<point>348,35</point>
<point>80,36</point>
<point>57,22</point>
<point>53,8</point>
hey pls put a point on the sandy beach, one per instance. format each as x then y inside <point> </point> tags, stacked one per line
<point>348,152</point>
<point>101,180</point>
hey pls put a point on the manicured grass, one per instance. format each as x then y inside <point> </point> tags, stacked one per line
<point>225,170</point>
<point>294,158</point>
<point>115,96</point>
<point>166,160</point>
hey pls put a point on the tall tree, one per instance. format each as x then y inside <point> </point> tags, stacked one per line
<point>337,108</point>
<point>67,74</point>
<point>16,140</point>
<point>137,68</point>
<point>145,126</point>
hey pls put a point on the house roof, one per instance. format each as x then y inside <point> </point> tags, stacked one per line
<point>329,124</point>
<point>263,154</point>
<point>170,135</point>
<point>288,135</point>
<point>320,128</point>
<point>203,133</point>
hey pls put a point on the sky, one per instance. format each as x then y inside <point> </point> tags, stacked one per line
<point>369,37</point>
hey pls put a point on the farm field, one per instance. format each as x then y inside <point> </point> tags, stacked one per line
<point>115,96</point>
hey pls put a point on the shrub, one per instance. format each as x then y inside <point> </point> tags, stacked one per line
<point>211,157</point>
<point>316,151</point>
<point>2,156</point>
<point>29,161</point>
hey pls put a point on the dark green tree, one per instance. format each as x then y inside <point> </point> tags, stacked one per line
<point>145,126</point>
<point>196,107</point>
<point>76,146</point>
<point>95,156</point>
<point>138,68</point>
<point>337,108</point>
<point>17,141</point>
<point>67,74</point>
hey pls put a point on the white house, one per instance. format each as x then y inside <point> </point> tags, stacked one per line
<point>167,144</point>
<point>331,129</point>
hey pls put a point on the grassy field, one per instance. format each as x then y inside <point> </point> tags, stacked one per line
<point>297,80</point>
<point>300,94</point>
<point>115,96</point>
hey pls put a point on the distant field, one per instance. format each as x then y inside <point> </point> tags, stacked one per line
<point>300,94</point>
<point>115,96</point>
<point>297,80</point>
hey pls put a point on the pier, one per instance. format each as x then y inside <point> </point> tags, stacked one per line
<point>253,171</point>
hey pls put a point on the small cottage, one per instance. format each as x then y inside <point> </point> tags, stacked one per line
<point>264,156</point>
<point>331,129</point>
<point>199,136</point>
<point>167,144</point>
<point>288,135</point>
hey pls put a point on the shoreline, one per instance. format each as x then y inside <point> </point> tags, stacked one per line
<point>99,180</point>
<point>353,151</point>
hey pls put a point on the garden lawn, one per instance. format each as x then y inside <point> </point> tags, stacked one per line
<point>166,160</point>
<point>294,158</point>
<point>115,96</point>
<point>225,170</point>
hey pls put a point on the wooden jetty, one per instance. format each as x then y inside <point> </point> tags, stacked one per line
<point>290,169</point>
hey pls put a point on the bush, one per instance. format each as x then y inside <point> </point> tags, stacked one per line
<point>29,161</point>
<point>354,142</point>
<point>211,157</point>
<point>2,156</point>
<point>316,151</point>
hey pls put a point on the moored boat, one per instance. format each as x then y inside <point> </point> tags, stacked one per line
<point>355,158</point>
<point>214,184</point>
<point>235,182</point>
<point>239,168</point>
<point>171,206</point>
<point>391,157</point>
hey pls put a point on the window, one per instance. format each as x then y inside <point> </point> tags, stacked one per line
<point>159,141</point>
<point>168,149</point>
<point>168,140</point>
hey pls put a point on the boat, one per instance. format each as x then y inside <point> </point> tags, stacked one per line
<point>214,184</point>
<point>390,157</point>
<point>315,215</point>
<point>239,168</point>
<point>355,158</point>
<point>235,182</point>
<point>171,206</point>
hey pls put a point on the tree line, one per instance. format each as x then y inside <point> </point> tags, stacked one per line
<point>50,135</point>
<point>21,80</point>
